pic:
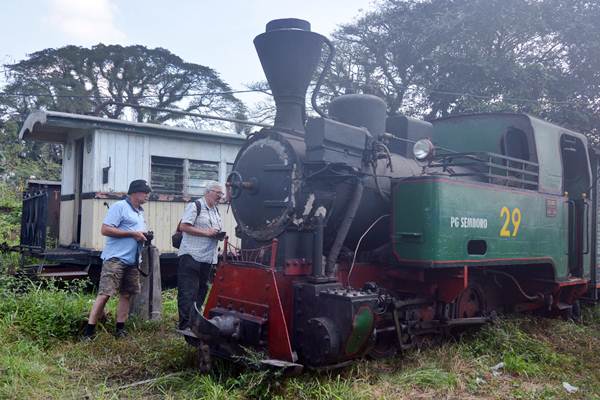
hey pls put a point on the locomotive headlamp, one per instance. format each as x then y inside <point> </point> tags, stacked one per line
<point>423,149</point>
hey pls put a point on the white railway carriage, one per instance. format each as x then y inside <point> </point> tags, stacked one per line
<point>101,156</point>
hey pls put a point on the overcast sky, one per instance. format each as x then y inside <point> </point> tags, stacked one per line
<point>215,33</point>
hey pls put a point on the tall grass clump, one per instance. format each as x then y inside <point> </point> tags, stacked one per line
<point>521,352</point>
<point>327,387</point>
<point>10,225</point>
<point>43,311</point>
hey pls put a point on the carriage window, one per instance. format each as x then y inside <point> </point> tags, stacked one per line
<point>199,174</point>
<point>514,144</point>
<point>182,176</point>
<point>166,175</point>
<point>576,179</point>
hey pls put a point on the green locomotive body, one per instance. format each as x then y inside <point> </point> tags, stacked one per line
<point>451,223</point>
<point>501,192</point>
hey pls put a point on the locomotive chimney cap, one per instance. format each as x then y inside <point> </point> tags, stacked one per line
<point>288,23</point>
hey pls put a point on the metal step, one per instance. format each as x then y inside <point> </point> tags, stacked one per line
<point>60,271</point>
<point>560,306</point>
<point>63,274</point>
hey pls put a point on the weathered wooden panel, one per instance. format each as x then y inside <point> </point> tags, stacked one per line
<point>68,170</point>
<point>123,157</point>
<point>127,155</point>
<point>88,226</point>
<point>130,156</point>
<point>163,221</point>
<point>65,231</point>
<point>229,152</point>
<point>89,171</point>
<point>192,150</point>
<point>95,221</point>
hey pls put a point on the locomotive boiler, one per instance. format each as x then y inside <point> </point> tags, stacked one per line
<point>367,234</point>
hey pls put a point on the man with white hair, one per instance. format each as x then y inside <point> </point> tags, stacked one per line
<point>202,228</point>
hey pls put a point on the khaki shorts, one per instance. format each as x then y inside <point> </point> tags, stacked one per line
<point>117,277</point>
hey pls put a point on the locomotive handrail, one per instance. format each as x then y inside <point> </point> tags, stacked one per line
<point>586,242</point>
<point>264,256</point>
<point>571,227</point>
<point>523,183</point>
<point>474,155</point>
<point>488,164</point>
<point>514,171</point>
<point>496,176</point>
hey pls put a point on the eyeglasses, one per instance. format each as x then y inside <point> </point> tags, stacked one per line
<point>219,193</point>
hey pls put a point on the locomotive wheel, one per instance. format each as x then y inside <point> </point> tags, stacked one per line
<point>320,343</point>
<point>384,347</point>
<point>470,303</point>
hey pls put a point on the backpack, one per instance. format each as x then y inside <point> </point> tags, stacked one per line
<point>177,237</point>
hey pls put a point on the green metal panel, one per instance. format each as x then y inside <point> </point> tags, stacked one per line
<point>480,132</point>
<point>436,218</point>
<point>484,132</point>
<point>548,149</point>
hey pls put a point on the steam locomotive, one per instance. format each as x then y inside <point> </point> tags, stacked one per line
<point>363,234</point>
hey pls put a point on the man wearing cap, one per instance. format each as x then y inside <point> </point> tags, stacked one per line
<point>125,229</point>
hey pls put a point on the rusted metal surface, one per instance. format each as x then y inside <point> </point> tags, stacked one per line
<point>256,292</point>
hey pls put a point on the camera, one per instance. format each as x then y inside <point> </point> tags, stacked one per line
<point>220,235</point>
<point>149,236</point>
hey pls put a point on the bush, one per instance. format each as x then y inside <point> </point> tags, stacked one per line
<point>10,214</point>
<point>10,225</point>
<point>44,312</point>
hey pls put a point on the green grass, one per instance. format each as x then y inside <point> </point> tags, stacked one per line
<point>42,358</point>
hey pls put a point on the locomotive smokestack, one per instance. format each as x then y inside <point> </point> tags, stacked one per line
<point>289,53</point>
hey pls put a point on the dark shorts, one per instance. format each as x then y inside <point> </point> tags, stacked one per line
<point>118,277</point>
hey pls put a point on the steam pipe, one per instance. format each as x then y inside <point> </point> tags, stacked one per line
<point>313,99</point>
<point>344,227</point>
<point>318,270</point>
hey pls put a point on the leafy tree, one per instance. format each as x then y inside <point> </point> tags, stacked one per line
<point>20,161</point>
<point>97,81</point>
<point>438,57</point>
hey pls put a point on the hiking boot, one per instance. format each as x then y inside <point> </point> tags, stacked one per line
<point>88,338</point>
<point>121,333</point>
<point>89,333</point>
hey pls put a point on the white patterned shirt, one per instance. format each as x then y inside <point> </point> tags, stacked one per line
<point>201,248</point>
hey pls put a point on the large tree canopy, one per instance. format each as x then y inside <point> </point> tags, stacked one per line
<point>94,81</point>
<point>433,58</point>
<point>98,81</point>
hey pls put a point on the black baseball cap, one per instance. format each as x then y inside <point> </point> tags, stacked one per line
<point>139,185</point>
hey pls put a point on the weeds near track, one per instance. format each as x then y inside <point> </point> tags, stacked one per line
<point>42,358</point>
